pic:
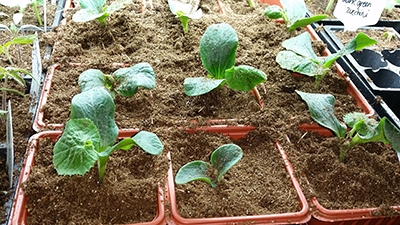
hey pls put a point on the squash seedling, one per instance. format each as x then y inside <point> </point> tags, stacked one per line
<point>363,130</point>
<point>222,159</point>
<point>185,12</point>
<point>293,14</point>
<point>96,9</point>
<point>23,4</point>
<point>300,57</point>
<point>91,132</point>
<point>218,54</point>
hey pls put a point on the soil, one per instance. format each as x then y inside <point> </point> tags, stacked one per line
<point>317,7</point>
<point>157,37</point>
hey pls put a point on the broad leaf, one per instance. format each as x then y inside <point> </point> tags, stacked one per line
<point>96,6</point>
<point>392,134</point>
<point>85,15</point>
<point>127,80</point>
<point>74,152</point>
<point>294,62</point>
<point>301,44</point>
<point>218,49</point>
<point>244,78</point>
<point>351,119</point>
<point>295,10</point>
<point>224,157</point>
<point>117,5</point>
<point>362,124</point>
<point>321,110</point>
<point>149,142</point>
<point>201,85</point>
<point>90,79</point>
<point>98,106</point>
<point>307,21</point>
<point>357,43</point>
<point>125,144</point>
<point>196,170</point>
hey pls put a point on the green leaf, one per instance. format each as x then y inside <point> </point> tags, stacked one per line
<point>96,6</point>
<point>125,144</point>
<point>186,9</point>
<point>224,157</point>
<point>117,5</point>
<point>307,21</point>
<point>273,12</point>
<point>149,142</point>
<point>301,44</point>
<point>362,124</point>
<point>218,49</point>
<point>74,152</point>
<point>201,85</point>
<point>196,170</point>
<point>295,10</point>
<point>12,90</point>
<point>392,134</point>
<point>244,78</point>
<point>90,79</point>
<point>98,106</point>
<point>351,119</point>
<point>294,62</point>
<point>357,43</point>
<point>321,110</point>
<point>24,39</point>
<point>127,80</point>
<point>85,15</point>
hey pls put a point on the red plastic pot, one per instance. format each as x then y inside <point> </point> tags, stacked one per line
<point>19,212</point>
<point>302,216</point>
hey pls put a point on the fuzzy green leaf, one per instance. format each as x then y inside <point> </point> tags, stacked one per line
<point>244,78</point>
<point>96,6</point>
<point>224,157</point>
<point>301,44</point>
<point>218,49</point>
<point>294,62</point>
<point>85,15</point>
<point>196,170</point>
<point>74,152</point>
<point>295,10</point>
<point>321,110</point>
<point>201,85</point>
<point>98,106</point>
<point>90,79</point>
<point>127,80</point>
<point>149,142</point>
<point>362,124</point>
<point>392,134</point>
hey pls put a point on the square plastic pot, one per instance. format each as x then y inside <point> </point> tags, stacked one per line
<point>19,212</point>
<point>300,217</point>
<point>377,73</point>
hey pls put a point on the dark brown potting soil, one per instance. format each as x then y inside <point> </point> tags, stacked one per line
<point>157,37</point>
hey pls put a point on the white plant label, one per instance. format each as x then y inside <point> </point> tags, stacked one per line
<point>10,145</point>
<point>358,13</point>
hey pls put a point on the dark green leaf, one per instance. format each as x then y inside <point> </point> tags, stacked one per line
<point>91,79</point>
<point>295,10</point>
<point>74,152</point>
<point>98,106</point>
<point>196,170</point>
<point>291,61</point>
<point>244,78</point>
<point>125,144</point>
<point>301,44</point>
<point>321,110</point>
<point>224,157</point>
<point>149,142</point>
<point>218,49</point>
<point>392,134</point>
<point>127,80</point>
<point>357,43</point>
<point>273,12</point>
<point>363,125</point>
<point>201,85</point>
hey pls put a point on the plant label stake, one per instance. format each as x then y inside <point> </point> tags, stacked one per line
<point>357,13</point>
<point>10,146</point>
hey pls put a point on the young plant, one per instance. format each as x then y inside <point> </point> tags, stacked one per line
<point>218,54</point>
<point>13,73</point>
<point>184,12</point>
<point>91,132</point>
<point>363,129</point>
<point>17,40</point>
<point>222,159</point>
<point>300,57</point>
<point>389,36</point>
<point>293,13</point>
<point>96,9</point>
<point>23,4</point>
